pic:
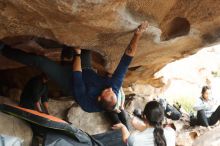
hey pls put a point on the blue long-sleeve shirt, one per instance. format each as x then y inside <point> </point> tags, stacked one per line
<point>88,85</point>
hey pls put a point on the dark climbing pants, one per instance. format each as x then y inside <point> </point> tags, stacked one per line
<point>118,118</point>
<point>62,75</point>
<point>204,121</point>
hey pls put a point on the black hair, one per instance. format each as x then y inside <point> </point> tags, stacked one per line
<point>154,114</point>
<point>204,89</point>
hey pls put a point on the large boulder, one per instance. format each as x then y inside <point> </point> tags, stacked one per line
<point>211,138</point>
<point>59,108</point>
<point>13,126</point>
<point>177,28</point>
<point>14,94</point>
<point>92,123</point>
<point>6,100</point>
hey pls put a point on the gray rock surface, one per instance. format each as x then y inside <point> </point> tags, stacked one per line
<point>92,123</point>
<point>12,126</point>
<point>59,108</point>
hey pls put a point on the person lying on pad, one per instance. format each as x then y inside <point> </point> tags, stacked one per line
<point>150,131</point>
<point>34,94</point>
<point>208,110</point>
<point>95,93</point>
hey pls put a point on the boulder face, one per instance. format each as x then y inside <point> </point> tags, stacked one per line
<point>5,100</point>
<point>92,123</point>
<point>59,108</point>
<point>15,127</point>
<point>177,28</point>
<point>210,138</point>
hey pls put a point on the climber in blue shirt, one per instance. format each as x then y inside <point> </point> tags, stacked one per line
<point>95,93</point>
<point>92,92</point>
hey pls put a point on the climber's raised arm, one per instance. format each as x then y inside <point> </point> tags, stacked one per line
<point>119,73</point>
<point>132,47</point>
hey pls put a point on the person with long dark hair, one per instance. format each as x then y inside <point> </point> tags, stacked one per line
<point>151,131</point>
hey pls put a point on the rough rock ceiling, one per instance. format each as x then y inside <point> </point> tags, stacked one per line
<point>177,28</point>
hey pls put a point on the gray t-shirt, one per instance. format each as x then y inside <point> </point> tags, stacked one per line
<point>208,106</point>
<point>121,98</point>
<point>146,138</point>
